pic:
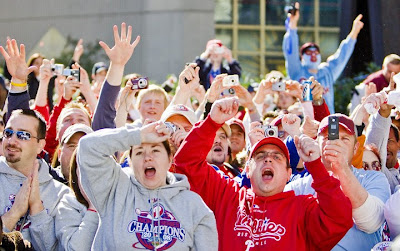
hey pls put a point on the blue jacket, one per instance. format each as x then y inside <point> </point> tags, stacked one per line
<point>328,72</point>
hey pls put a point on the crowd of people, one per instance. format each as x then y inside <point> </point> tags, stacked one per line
<point>112,162</point>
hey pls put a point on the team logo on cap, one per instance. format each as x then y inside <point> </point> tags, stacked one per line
<point>181,108</point>
<point>156,228</point>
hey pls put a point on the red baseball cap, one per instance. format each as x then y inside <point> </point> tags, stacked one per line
<point>344,121</point>
<point>308,45</point>
<point>238,122</point>
<point>214,41</point>
<point>272,141</point>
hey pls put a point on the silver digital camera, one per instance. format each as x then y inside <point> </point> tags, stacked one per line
<point>57,69</point>
<point>171,127</point>
<point>279,86</point>
<point>230,80</point>
<point>270,131</point>
<point>73,72</point>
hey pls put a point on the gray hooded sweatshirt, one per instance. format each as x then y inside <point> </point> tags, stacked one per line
<point>38,229</point>
<point>132,216</point>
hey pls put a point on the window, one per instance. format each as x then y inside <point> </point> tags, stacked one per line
<point>254,29</point>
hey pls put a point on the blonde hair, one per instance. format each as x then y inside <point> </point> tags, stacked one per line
<point>153,89</point>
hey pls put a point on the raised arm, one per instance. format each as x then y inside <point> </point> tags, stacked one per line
<point>119,55</point>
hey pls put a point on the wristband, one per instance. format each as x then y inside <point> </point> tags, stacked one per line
<point>92,210</point>
<point>19,85</point>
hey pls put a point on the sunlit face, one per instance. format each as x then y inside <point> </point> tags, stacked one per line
<point>150,163</point>
<point>388,69</point>
<point>237,139</point>
<point>346,138</point>
<point>219,151</point>
<point>65,153</point>
<point>17,151</point>
<point>392,148</point>
<point>71,117</point>
<point>370,161</point>
<point>268,171</point>
<point>152,106</point>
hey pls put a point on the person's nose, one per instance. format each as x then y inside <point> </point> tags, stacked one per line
<point>147,157</point>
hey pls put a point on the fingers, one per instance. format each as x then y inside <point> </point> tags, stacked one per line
<point>31,69</point>
<point>129,35</point>
<point>14,47</point>
<point>359,17</point>
<point>4,53</point>
<point>105,47</point>
<point>80,42</point>
<point>22,51</point>
<point>116,35</point>
<point>123,31</point>
<point>135,43</point>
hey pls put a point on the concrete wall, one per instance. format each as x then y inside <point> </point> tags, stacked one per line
<point>172,32</point>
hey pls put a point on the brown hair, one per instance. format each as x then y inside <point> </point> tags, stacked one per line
<point>372,147</point>
<point>74,179</point>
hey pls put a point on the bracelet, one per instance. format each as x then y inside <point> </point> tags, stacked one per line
<point>92,210</point>
<point>19,85</point>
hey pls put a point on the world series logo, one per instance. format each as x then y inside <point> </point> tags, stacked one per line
<point>156,228</point>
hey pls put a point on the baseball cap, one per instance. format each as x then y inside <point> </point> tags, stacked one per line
<point>308,45</point>
<point>344,121</point>
<point>179,110</point>
<point>277,121</point>
<point>235,121</point>
<point>272,141</point>
<point>227,129</point>
<point>214,41</point>
<point>70,131</point>
<point>98,67</point>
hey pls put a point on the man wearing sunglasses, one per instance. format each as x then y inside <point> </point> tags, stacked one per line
<point>29,194</point>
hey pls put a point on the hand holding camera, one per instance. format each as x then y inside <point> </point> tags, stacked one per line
<point>46,71</point>
<point>71,85</point>
<point>214,92</point>
<point>293,14</point>
<point>256,132</point>
<point>190,73</point>
<point>294,89</point>
<point>139,83</point>
<point>155,132</point>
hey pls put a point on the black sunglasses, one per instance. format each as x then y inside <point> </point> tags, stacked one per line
<point>21,135</point>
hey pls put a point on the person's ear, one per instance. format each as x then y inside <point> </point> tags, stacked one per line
<point>42,143</point>
<point>356,146</point>
<point>289,174</point>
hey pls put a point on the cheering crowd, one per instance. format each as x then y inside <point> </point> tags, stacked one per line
<point>117,163</point>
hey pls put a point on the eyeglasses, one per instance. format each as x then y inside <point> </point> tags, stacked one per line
<point>21,135</point>
<point>375,165</point>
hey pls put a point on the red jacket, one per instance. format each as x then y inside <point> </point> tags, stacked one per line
<point>283,221</point>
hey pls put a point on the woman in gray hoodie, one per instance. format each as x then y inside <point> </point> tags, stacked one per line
<point>150,208</point>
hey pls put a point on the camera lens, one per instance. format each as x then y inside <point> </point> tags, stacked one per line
<point>271,132</point>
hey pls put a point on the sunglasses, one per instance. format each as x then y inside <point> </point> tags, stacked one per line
<point>375,165</point>
<point>21,135</point>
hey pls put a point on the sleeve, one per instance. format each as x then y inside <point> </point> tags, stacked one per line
<point>338,61</point>
<point>42,231</point>
<point>369,216</point>
<point>328,217</point>
<point>51,133</point>
<point>291,52</point>
<point>378,133</point>
<point>105,112</point>
<point>16,101</point>
<point>100,173</point>
<point>205,234</point>
<point>44,111</point>
<point>321,111</point>
<point>392,214</point>
<point>190,160</point>
<point>74,231</point>
<point>234,68</point>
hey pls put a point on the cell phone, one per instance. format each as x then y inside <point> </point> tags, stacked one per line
<point>73,72</point>
<point>307,96</point>
<point>279,86</point>
<point>230,80</point>
<point>333,128</point>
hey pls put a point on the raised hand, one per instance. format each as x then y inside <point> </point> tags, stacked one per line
<point>224,109</point>
<point>156,132</point>
<point>191,74</point>
<point>15,60</point>
<point>309,127</point>
<point>245,98</point>
<point>293,88</point>
<point>357,26</point>
<point>216,88</point>
<point>256,132</point>
<point>294,19</point>
<point>71,84</point>
<point>307,148</point>
<point>122,50</point>
<point>317,89</point>
<point>45,71</point>
<point>291,124</point>
<point>78,51</point>
<point>264,89</point>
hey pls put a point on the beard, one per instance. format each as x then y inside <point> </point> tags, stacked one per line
<point>13,159</point>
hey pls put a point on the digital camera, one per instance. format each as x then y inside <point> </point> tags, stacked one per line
<point>139,83</point>
<point>279,86</point>
<point>270,131</point>
<point>219,50</point>
<point>229,92</point>
<point>171,127</point>
<point>73,72</point>
<point>291,9</point>
<point>307,96</point>
<point>333,128</point>
<point>230,80</point>
<point>57,69</point>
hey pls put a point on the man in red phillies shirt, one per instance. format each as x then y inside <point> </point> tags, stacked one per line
<point>265,216</point>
